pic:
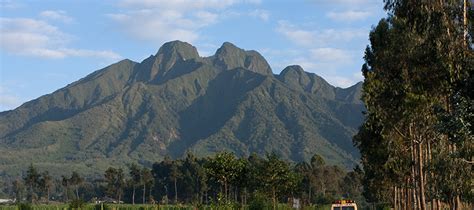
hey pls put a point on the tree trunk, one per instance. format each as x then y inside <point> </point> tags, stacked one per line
<point>225,190</point>
<point>395,203</point>
<point>421,177</point>
<point>413,181</point>
<point>144,193</point>
<point>175,191</point>
<point>407,194</point>
<point>458,203</point>
<point>274,198</point>
<point>309,194</point>
<point>77,192</point>
<point>65,193</point>
<point>465,23</point>
<point>149,194</point>
<point>47,199</point>
<point>133,195</point>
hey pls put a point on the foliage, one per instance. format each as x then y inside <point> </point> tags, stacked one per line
<point>163,106</point>
<point>24,206</point>
<point>259,201</point>
<point>417,91</point>
<point>253,181</point>
<point>76,204</point>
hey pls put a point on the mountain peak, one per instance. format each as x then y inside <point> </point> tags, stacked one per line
<point>293,69</point>
<point>229,56</point>
<point>156,67</point>
<point>178,48</point>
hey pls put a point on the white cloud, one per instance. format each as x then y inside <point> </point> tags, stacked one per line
<point>333,64</point>
<point>162,26</point>
<point>349,15</point>
<point>358,75</point>
<point>345,2</point>
<point>9,4</point>
<point>30,37</point>
<point>331,55</point>
<point>183,5</point>
<point>163,20</point>
<point>343,82</point>
<point>7,100</point>
<point>324,37</point>
<point>58,15</point>
<point>262,14</point>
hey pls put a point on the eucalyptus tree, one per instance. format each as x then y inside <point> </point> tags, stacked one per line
<point>46,184</point>
<point>115,182</point>
<point>417,57</point>
<point>146,178</point>
<point>32,181</point>
<point>224,168</point>
<point>135,179</point>
<point>76,180</point>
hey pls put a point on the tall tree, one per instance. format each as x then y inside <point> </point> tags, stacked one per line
<point>416,59</point>
<point>76,180</point>
<point>115,182</point>
<point>175,174</point>
<point>18,189</point>
<point>146,179</point>
<point>224,168</point>
<point>135,179</point>
<point>65,184</point>
<point>46,184</point>
<point>32,181</point>
<point>276,177</point>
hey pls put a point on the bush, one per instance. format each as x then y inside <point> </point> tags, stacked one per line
<point>101,206</point>
<point>76,204</point>
<point>24,206</point>
<point>259,201</point>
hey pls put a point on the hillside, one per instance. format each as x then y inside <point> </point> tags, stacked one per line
<point>177,101</point>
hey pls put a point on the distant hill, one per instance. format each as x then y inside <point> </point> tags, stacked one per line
<point>177,101</point>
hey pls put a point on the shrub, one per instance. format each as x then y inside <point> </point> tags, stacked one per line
<point>76,204</point>
<point>259,201</point>
<point>24,206</point>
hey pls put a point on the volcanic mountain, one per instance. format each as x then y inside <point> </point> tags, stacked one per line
<point>176,102</point>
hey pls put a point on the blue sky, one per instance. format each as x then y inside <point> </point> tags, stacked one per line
<point>47,44</point>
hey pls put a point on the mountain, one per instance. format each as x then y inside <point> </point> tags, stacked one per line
<point>177,101</point>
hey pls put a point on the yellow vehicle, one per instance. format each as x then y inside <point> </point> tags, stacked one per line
<point>344,205</point>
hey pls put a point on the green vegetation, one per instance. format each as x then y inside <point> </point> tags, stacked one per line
<point>223,181</point>
<point>147,207</point>
<point>174,102</point>
<point>417,141</point>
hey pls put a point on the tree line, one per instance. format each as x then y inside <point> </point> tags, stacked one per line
<point>222,179</point>
<point>417,142</point>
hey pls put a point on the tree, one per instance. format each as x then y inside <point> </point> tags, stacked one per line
<point>65,184</point>
<point>161,171</point>
<point>18,189</point>
<point>115,182</point>
<point>135,179</point>
<point>224,168</point>
<point>312,176</point>
<point>146,179</point>
<point>32,181</point>
<point>194,178</point>
<point>174,175</point>
<point>46,184</point>
<point>417,58</point>
<point>276,177</point>
<point>76,180</point>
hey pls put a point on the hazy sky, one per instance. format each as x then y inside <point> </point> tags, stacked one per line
<point>47,44</point>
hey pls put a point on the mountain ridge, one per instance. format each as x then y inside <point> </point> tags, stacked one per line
<point>177,101</point>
